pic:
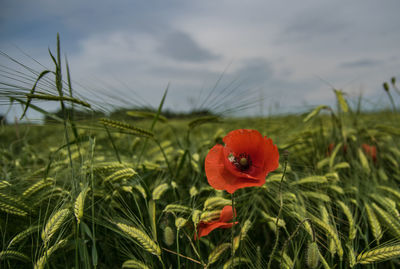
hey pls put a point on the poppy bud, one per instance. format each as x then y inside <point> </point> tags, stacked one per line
<point>386,86</point>
<point>393,80</point>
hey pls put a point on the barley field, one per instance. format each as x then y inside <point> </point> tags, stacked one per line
<point>133,192</point>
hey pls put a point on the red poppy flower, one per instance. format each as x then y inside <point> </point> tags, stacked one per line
<point>204,228</point>
<point>332,146</point>
<point>370,151</point>
<point>244,161</point>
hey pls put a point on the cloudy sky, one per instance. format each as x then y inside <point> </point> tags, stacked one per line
<point>275,55</point>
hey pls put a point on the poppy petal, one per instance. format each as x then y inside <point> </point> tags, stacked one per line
<point>271,157</point>
<point>204,230</point>
<point>226,214</point>
<point>214,167</point>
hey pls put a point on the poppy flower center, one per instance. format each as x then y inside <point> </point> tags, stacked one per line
<point>241,162</point>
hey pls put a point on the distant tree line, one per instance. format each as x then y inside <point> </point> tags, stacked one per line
<point>121,114</point>
<point>3,120</point>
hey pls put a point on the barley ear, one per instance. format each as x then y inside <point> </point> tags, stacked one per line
<point>23,235</point>
<point>144,240</point>
<point>217,252</point>
<point>134,264</point>
<point>80,205</point>
<point>40,264</point>
<point>53,224</point>
<point>379,254</point>
<point>13,255</point>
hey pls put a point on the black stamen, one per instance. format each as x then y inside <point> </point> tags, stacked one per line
<point>242,162</point>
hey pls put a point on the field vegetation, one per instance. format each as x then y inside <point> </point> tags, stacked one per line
<point>130,191</point>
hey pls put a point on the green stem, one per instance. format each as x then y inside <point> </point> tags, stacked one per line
<point>93,144</point>
<point>391,101</point>
<point>77,245</point>
<point>112,143</point>
<point>233,229</point>
<point>277,218</point>
<point>177,248</point>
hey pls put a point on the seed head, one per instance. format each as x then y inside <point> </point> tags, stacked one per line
<point>386,86</point>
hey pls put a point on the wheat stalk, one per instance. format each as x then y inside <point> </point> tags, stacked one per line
<point>217,252</point>
<point>141,190</point>
<point>37,187</point>
<point>242,235</point>
<point>159,191</point>
<point>352,257</point>
<point>287,261</point>
<point>107,166</point>
<point>123,173</point>
<point>144,240</point>
<point>11,254</point>
<point>127,128</point>
<point>23,235</point>
<point>43,260</point>
<point>374,223</point>
<point>193,191</point>
<point>196,214</point>
<point>180,222</point>
<point>216,201</point>
<point>175,208</point>
<point>379,254</point>
<point>134,264</point>
<point>57,98</point>
<point>326,219</point>
<point>332,234</point>
<point>323,261</point>
<point>310,180</point>
<point>208,216</point>
<point>281,222</point>
<point>53,224</point>
<point>235,261</point>
<point>349,216</point>
<point>203,120</point>
<point>4,184</point>
<point>392,223</point>
<point>336,189</point>
<point>12,209</point>
<point>387,203</point>
<point>16,201</point>
<point>80,204</point>
<point>391,191</point>
<point>317,195</point>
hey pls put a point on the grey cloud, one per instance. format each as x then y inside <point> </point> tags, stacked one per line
<point>314,22</point>
<point>255,71</point>
<point>180,46</point>
<point>313,26</point>
<point>360,63</point>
